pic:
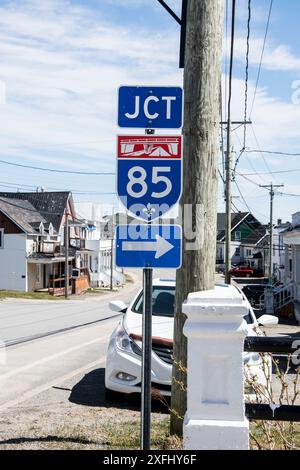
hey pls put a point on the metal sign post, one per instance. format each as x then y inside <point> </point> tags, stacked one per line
<point>146,360</point>
<point>149,183</point>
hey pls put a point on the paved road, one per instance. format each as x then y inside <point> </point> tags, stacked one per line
<point>48,342</point>
<point>52,342</point>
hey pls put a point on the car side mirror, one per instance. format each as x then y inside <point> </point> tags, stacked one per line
<point>118,306</point>
<point>267,320</point>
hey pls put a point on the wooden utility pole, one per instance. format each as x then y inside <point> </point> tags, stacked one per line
<point>271,188</point>
<point>228,200</point>
<point>200,174</point>
<point>228,158</point>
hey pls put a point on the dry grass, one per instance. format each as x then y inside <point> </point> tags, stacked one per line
<point>11,294</point>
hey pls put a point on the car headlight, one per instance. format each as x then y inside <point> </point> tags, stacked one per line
<point>125,343</point>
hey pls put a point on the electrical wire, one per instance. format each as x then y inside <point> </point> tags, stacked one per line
<point>243,199</point>
<point>226,57</point>
<point>247,72</point>
<point>262,55</point>
<point>32,188</point>
<point>288,194</point>
<point>231,61</point>
<point>248,159</point>
<point>273,152</point>
<point>261,153</point>
<point>276,172</point>
<point>54,170</point>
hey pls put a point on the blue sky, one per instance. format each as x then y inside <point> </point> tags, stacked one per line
<point>62,62</point>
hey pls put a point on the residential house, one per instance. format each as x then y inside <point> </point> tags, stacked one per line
<point>32,243</point>
<point>99,235</point>
<point>242,226</point>
<point>291,242</point>
<point>278,253</point>
<point>253,248</point>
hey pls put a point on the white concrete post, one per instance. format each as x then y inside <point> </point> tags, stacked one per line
<point>215,417</point>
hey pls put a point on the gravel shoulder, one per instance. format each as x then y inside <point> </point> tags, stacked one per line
<point>75,416</point>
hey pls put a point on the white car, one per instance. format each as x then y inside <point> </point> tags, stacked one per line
<point>123,363</point>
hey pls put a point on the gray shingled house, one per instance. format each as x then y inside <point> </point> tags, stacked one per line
<point>32,250</point>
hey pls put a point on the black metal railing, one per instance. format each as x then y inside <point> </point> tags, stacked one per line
<point>271,344</point>
<point>258,411</point>
<point>277,345</point>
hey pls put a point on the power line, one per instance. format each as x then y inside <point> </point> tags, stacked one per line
<point>226,55</point>
<point>243,151</point>
<point>244,200</point>
<point>261,153</point>
<point>273,152</point>
<point>277,172</point>
<point>248,179</point>
<point>54,170</point>
<point>33,188</point>
<point>288,194</point>
<point>262,55</point>
<point>247,71</point>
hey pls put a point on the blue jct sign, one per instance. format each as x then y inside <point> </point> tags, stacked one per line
<point>148,246</point>
<point>150,107</point>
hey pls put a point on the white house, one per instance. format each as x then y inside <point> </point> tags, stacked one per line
<point>291,241</point>
<point>32,246</point>
<point>100,243</point>
<point>279,250</point>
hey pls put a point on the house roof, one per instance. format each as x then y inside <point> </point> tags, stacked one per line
<point>236,219</point>
<point>256,236</point>
<point>49,205</point>
<point>22,214</point>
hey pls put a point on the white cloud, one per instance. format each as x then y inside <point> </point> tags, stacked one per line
<point>62,67</point>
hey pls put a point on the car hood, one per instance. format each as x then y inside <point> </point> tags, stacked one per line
<point>162,327</point>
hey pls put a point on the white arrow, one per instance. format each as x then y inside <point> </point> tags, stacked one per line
<point>160,246</point>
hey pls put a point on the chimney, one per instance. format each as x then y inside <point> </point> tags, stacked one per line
<point>279,221</point>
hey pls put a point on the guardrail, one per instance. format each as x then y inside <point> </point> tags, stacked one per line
<point>277,345</point>
<point>271,344</point>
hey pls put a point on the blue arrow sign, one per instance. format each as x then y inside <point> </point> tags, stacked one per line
<point>150,107</point>
<point>148,246</point>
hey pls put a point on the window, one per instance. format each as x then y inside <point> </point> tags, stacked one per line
<point>238,251</point>
<point>1,238</point>
<point>248,252</point>
<point>237,235</point>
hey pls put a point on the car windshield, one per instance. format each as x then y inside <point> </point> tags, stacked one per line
<point>163,301</point>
